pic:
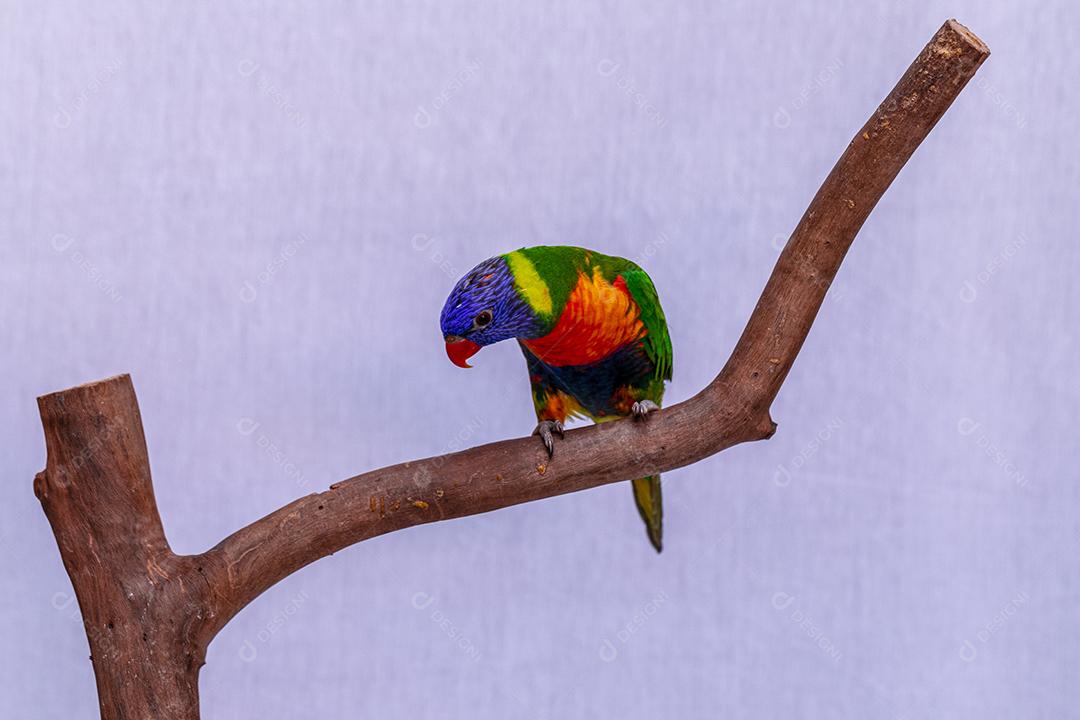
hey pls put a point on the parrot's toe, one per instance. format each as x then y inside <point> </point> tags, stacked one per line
<point>643,407</point>
<point>546,429</point>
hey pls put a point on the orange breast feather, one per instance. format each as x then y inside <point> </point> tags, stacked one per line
<point>599,318</point>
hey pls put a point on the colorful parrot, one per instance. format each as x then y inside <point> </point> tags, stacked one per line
<point>592,331</point>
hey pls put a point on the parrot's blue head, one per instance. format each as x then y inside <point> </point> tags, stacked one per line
<point>484,308</point>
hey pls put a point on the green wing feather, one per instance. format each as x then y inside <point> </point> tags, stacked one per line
<point>657,340</point>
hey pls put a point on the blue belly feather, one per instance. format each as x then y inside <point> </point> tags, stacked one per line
<point>594,385</point>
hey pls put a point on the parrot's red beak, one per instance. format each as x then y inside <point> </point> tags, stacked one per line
<point>459,350</point>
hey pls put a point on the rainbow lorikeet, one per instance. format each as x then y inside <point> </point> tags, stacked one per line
<point>592,331</point>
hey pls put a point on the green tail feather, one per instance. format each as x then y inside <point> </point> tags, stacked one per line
<point>650,505</point>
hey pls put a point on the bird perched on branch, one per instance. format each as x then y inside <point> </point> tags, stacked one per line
<point>592,331</point>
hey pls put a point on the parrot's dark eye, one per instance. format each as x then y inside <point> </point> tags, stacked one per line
<point>483,319</point>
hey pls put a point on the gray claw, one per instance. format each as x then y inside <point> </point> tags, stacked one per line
<point>642,408</point>
<point>544,429</point>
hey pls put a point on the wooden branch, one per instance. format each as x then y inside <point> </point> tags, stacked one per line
<point>150,614</point>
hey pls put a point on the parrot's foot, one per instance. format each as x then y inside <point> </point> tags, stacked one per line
<point>545,429</point>
<point>642,408</point>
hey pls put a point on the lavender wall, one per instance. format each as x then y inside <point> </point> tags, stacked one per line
<point>258,210</point>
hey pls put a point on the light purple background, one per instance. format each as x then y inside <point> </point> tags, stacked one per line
<point>905,546</point>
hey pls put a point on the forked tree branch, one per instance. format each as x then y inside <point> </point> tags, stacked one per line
<point>150,614</point>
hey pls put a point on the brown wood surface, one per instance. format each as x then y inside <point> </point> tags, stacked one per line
<point>150,614</point>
